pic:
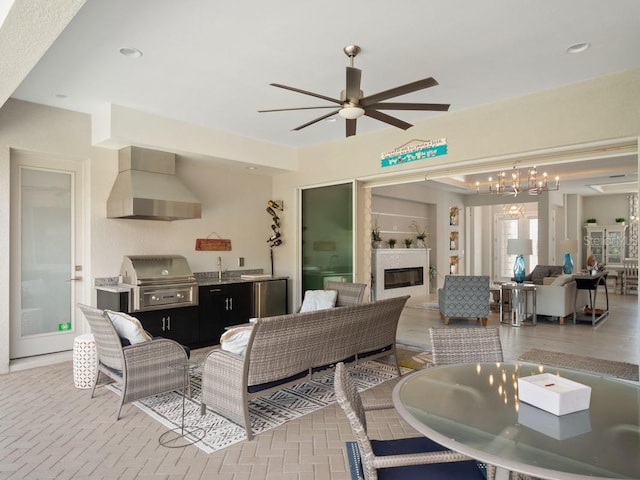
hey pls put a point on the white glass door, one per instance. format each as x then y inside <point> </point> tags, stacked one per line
<point>45,272</point>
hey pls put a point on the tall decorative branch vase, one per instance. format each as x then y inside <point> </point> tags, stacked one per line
<point>567,266</point>
<point>519,270</point>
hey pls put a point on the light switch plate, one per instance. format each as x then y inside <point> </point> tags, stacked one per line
<point>241,261</point>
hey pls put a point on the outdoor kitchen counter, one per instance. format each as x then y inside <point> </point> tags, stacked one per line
<point>205,282</point>
<point>220,304</point>
<point>120,288</point>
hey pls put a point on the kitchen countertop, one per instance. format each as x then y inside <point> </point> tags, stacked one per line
<point>202,282</point>
<point>205,282</point>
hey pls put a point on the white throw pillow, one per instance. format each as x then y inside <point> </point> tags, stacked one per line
<point>128,327</point>
<point>318,300</point>
<point>235,340</point>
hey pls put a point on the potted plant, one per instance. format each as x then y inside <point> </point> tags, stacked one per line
<point>391,242</point>
<point>376,239</point>
<point>591,221</point>
<point>408,242</point>
<point>432,271</point>
<point>620,220</point>
<point>421,234</point>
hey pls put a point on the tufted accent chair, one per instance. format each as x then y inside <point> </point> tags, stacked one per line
<point>465,296</point>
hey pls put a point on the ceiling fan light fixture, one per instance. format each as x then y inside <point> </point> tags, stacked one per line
<point>351,112</point>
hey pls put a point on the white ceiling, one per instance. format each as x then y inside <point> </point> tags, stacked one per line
<point>210,62</point>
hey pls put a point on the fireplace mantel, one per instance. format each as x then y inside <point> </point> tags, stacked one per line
<point>398,258</point>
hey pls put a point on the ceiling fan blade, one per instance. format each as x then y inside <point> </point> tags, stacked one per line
<point>352,92</point>
<point>351,127</point>
<point>397,91</point>
<point>317,120</point>
<point>383,117</point>
<point>437,107</point>
<point>304,92</point>
<point>298,108</point>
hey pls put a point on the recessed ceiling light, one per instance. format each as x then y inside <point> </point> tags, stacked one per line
<point>252,168</point>
<point>333,119</point>
<point>61,95</point>
<point>578,47</point>
<point>130,52</point>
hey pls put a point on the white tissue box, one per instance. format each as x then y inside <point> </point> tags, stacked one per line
<point>554,394</point>
<point>554,426</point>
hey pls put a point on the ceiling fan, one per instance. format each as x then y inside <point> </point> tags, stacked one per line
<point>353,104</point>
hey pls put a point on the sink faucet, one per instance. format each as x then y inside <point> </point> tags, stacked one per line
<point>219,268</point>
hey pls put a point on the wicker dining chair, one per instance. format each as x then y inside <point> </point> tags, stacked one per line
<point>465,345</point>
<point>416,457</point>
<point>141,370</point>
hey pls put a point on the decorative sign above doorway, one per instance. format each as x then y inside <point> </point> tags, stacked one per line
<point>421,151</point>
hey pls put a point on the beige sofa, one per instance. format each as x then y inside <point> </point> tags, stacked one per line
<point>289,349</point>
<point>556,297</point>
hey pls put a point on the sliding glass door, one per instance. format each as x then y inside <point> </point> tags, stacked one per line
<point>327,235</point>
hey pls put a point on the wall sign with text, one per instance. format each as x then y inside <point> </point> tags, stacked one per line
<point>422,151</point>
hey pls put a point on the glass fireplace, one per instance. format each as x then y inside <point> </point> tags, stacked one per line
<point>403,277</point>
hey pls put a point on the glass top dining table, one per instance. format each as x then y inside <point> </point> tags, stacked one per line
<point>474,409</point>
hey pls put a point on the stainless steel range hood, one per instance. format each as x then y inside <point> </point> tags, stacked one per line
<point>146,188</point>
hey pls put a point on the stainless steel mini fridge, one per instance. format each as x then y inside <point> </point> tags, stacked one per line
<point>270,298</point>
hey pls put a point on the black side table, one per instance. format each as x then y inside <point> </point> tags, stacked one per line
<point>589,282</point>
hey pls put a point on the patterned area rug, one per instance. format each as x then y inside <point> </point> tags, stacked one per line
<point>266,412</point>
<point>413,359</point>
<point>627,371</point>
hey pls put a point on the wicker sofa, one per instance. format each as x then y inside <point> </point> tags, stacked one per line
<point>289,349</point>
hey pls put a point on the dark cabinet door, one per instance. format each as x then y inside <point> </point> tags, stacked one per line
<point>240,303</point>
<point>116,301</point>
<point>212,301</point>
<point>222,306</point>
<point>179,324</point>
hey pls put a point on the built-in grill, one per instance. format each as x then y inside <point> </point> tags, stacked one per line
<point>159,281</point>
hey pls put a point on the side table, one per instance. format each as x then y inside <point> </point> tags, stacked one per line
<point>85,361</point>
<point>591,282</point>
<point>518,311</point>
<point>184,434</point>
<point>496,292</point>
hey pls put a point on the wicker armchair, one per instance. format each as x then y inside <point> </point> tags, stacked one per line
<point>465,296</point>
<point>141,370</point>
<point>401,458</point>
<point>465,345</point>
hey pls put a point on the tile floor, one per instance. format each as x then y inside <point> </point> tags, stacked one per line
<point>51,430</point>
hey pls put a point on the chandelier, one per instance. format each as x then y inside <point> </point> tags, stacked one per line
<point>534,184</point>
<point>515,210</point>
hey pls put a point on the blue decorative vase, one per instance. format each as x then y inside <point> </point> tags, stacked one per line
<point>567,266</point>
<point>518,269</point>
